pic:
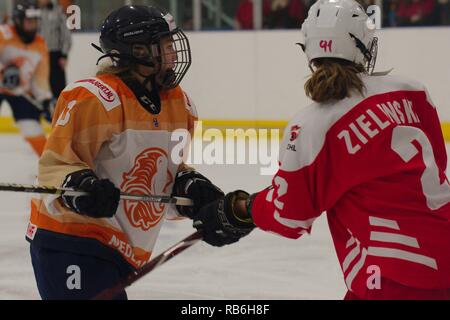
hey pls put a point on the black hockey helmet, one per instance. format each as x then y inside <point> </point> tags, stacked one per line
<point>132,35</point>
<point>25,10</point>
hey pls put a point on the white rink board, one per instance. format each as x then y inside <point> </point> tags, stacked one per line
<point>260,75</point>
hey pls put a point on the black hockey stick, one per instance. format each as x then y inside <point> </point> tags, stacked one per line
<point>71,192</point>
<point>37,104</point>
<point>110,293</point>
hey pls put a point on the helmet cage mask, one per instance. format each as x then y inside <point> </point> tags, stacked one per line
<point>371,63</point>
<point>140,44</point>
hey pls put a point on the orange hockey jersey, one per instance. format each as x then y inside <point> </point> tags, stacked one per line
<point>100,125</point>
<point>30,61</point>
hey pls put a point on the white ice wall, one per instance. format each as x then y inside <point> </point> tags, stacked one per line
<point>260,75</point>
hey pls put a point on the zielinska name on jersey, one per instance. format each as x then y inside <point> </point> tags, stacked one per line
<point>371,124</point>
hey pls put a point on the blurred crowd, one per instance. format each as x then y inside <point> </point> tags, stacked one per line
<point>416,12</point>
<point>277,14</point>
<point>286,14</point>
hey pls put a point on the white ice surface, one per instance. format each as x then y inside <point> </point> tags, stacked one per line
<point>260,266</point>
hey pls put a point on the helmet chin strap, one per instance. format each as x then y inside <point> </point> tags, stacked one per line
<point>149,78</point>
<point>150,100</point>
<point>121,56</point>
<point>370,54</point>
<point>166,80</point>
<point>360,45</point>
<point>27,37</point>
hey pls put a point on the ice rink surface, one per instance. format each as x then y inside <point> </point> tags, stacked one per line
<point>260,266</point>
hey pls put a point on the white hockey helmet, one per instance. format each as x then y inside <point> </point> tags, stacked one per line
<point>340,29</point>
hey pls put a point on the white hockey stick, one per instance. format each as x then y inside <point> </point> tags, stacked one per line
<point>71,192</point>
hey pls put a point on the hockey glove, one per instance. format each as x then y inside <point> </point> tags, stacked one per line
<point>48,106</point>
<point>218,222</point>
<point>103,198</point>
<point>193,185</point>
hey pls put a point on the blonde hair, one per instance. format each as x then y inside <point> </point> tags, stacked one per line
<point>334,79</point>
<point>111,69</point>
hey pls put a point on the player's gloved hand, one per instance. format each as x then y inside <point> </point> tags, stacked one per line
<point>218,222</point>
<point>103,198</point>
<point>48,106</point>
<point>193,185</point>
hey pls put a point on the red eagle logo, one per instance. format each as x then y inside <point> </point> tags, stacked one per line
<point>149,175</point>
<point>295,131</point>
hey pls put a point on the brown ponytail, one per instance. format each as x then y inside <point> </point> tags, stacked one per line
<point>334,79</point>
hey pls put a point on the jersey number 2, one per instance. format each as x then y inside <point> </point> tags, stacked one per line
<point>436,193</point>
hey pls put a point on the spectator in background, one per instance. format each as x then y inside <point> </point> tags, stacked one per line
<point>444,11</point>
<point>65,4</point>
<point>308,4</point>
<point>391,13</point>
<point>415,12</point>
<point>59,40</point>
<point>285,14</point>
<point>366,3</point>
<point>187,19</point>
<point>244,14</point>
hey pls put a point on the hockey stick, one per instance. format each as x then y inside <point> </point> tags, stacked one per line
<point>153,264</point>
<point>71,192</point>
<point>38,105</point>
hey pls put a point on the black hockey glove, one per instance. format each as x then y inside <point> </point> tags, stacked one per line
<point>193,185</point>
<point>218,222</point>
<point>103,198</point>
<point>48,106</point>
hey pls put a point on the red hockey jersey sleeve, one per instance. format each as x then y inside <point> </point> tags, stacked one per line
<point>298,193</point>
<point>330,149</point>
<point>377,165</point>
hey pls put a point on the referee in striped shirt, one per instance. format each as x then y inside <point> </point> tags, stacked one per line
<point>59,40</point>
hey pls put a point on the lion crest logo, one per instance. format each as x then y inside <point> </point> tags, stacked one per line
<point>149,176</point>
